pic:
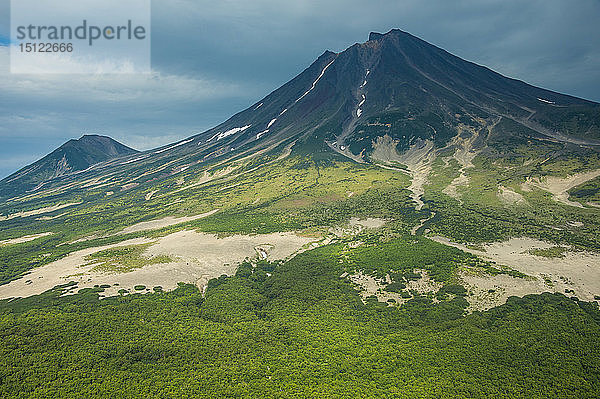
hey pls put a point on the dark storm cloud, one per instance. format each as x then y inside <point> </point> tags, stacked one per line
<point>211,59</point>
<point>555,44</point>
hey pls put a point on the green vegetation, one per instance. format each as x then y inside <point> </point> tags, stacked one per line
<point>553,252</point>
<point>481,216</point>
<point>296,328</point>
<point>399,257</point>
<point>303,332</point>
<point>294,194</point>
<point>587,192</point>
<point>124,259</point>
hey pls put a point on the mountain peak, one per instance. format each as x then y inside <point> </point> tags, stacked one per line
<point>74,155</point>
<point>396,86</point>
<point>394,92</point>
<point>90,136</point>
<point>374,36</point>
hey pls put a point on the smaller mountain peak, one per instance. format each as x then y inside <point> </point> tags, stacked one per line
<point>74,155</point>
<point>91,136</point>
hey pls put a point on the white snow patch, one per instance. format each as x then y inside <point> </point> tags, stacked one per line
<point>133,160</point>
<point>546,101</point>
<point>233,131</point>
<point>316,81</point>
<point>258,135</point>
<point>173,146</point>
<point>271,123</point>
<point>363,100</point>
<point>229,132</point>
<point>365,81</point>
<point>359,110</point>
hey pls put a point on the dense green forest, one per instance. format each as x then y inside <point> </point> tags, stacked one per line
<point>295,329</point>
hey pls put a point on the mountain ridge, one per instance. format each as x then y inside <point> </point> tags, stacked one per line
<point>395,52</point>
<point>73,156</point>
<point>394,88</point>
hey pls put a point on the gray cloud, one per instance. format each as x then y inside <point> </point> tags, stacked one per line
<point>211,59</point>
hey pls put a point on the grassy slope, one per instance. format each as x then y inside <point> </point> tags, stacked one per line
<point>304,331</point>
<point>483,217</point>
<point>293,194</point>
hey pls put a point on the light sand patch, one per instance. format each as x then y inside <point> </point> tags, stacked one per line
<point>558,187</point>
<point>384,150</point>
<point>417,159</point>
<point>464,154</point>
<point>198,258</point>
<point>129,186</point>
<point>509,196</point>
<point>52,217</point>
<point>210,248</point>
<point>368,223</point>
<point>82,239</point>
<point>39,211</point>
<point>452,188</point>
<point>356,225</point>
<point>369,286</point>
<point>207,177</point>
<point>96,182</point>
<point>69,268</point>
<point>24,239</point>
<point>577,271</point>
<point>425,284</point>
<point>486,292</point>
<point>164,222</point>
<point>150,195</point>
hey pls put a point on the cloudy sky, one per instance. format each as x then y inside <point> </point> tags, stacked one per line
<point>211,59</point>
